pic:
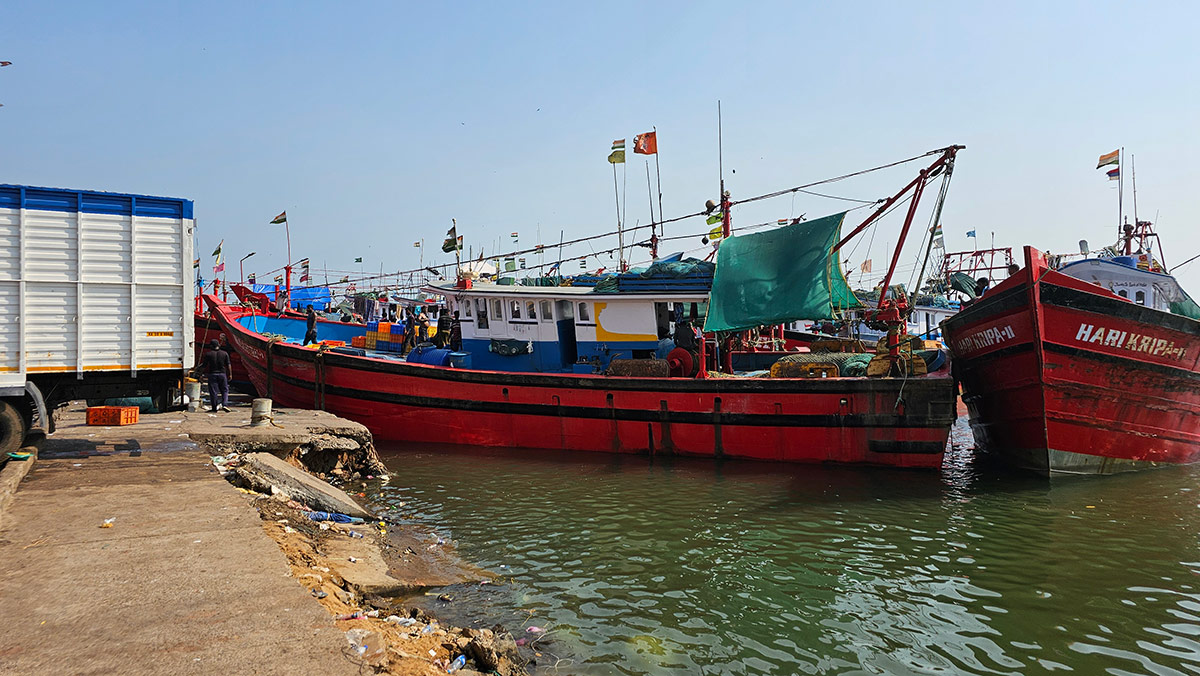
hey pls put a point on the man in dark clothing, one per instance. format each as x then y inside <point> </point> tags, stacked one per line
<point>215,364</point>
<point>456,333</point>
<point>442,337</point>
<point>310,336</point>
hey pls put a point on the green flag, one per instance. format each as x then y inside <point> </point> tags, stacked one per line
<point>715,218</point>
<point>358,260</point>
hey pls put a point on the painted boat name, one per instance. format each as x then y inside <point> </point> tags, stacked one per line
<point>985,338</point>
<point>1129,341</point>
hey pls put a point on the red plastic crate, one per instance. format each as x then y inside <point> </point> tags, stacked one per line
<point>112,415</point>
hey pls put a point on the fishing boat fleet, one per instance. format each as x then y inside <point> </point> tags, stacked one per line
<point>1085,366</point>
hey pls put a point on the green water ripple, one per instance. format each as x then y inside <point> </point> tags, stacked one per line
<point>696,567</point>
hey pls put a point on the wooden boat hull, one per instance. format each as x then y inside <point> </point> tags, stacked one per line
<point>1060,376</point>
<point>853,420</point>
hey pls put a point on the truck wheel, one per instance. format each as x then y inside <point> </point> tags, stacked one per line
<point>13,428</point>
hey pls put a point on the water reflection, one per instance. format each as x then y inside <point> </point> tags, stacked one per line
<point>685,566</point>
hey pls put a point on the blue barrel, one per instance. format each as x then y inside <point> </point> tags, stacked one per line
<point>460,360</point>
<point>433,356</point>
<point>1127,261</point>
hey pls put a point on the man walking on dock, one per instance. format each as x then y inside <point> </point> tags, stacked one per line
<point>310,335</point>
<point>215,364</point>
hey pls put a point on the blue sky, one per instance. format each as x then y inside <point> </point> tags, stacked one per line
<point>374,124</point>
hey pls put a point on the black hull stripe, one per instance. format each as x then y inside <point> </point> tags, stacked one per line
<point>968,364</point>
<point>638,415</point>
<point>1127,363</point>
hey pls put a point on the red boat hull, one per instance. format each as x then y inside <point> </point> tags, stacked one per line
<point>1061,376</point>
<point>208,329</point>
<point>853,420</point>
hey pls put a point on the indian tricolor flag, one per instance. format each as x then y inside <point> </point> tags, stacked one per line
<point>1111,158</point>
<point>617,156</point>
<point>281,218</point>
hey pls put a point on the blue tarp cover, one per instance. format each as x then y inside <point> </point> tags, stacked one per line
<point>317,296</point>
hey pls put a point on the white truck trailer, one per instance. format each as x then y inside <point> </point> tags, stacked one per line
<point>97,299</point>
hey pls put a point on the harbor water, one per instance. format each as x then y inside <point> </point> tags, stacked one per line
<point>640,566</point>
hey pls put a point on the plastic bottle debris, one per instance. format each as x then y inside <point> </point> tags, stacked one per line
<point>429,628</point>
<point>457,664</point>
<point>319,594</point>
<point>402,621</point>
<point>355,534</point>
<point>368,645</point>
<point>333,516</point>
<point>356,615</point>
<point>372,613</point>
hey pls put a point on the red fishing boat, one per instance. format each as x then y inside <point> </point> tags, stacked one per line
<point>595,368</point>
<point>1090,368</point>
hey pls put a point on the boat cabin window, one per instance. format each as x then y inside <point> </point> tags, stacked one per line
<point>547,314</point>
<point>1123,293</point>
<point>466,308</point>
<point>1140,297</point>
<point>530,310</point>
<point>497,309</point>
<point>515,309</point>
<point>481,313</point>
<point>583,313</point>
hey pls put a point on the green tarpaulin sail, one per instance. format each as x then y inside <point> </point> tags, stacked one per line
<point>779,276</point>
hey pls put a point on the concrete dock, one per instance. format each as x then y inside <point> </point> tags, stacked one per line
<point>184,581</point>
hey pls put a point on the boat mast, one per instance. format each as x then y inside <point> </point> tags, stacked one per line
<point>725,219</point>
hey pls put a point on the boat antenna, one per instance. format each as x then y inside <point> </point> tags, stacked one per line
<point>617,199</point>
<point>1133,179</point>
<point>653,232</point>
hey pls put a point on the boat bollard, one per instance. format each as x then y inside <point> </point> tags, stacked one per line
<point>260,413</point>
<point>191,388</point>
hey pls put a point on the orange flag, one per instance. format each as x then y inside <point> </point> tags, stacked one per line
<point>646,144</point>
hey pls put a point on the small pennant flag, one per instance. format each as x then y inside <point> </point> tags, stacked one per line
<point>782,221</point>
<point>1114,174</point>
<point>970,233</point>
<point>538,247</point>
<point>715,218</point>
<point>343,280</point>
<point>304,276</point>
<point>217,251</point>
<point>866,265</point>
<point>281,218</point>
<point>251,278</point>
<point>582,263</point>
<point>1111,158</point>
<point>717,232</point>
<point>417,245</point>
<point>645,144</point>
<point>358,260</point>
<point>278,280</point>
<point>617,156</point>
<point>514,235</point>
<point>936,230</point>
<point>509,265</point>
<point>196,263</point>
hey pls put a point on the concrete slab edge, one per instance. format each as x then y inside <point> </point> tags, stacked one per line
<point>10,478</point>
